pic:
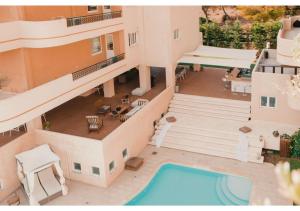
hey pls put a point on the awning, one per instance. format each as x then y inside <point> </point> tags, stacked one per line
<point>225,57</point>
<point>38,157</point>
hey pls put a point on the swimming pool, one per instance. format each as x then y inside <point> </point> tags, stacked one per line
<point>181,185</point>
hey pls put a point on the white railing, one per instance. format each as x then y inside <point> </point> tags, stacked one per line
<point>41,34</point>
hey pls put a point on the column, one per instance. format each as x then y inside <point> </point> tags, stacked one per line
<point>145,77</point>
<point>109,88</point>
<point>170,76</point>
<point>35,123</point>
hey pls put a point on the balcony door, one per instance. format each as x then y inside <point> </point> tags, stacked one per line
<point>106,9</point>
<point>109,46</point>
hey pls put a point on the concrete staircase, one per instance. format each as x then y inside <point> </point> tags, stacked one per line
<point>209,126</point>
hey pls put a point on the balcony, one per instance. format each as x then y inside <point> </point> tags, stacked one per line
<point>57,32</point>
<point>74,21</point>
<point>96,67</point>
<point>268,63</point>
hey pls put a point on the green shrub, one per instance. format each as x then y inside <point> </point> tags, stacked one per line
<point>295,144</point>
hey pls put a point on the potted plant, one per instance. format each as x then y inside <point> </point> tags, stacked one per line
<point>47,125</point>
<point>295,144</point>
<point>285,143</point>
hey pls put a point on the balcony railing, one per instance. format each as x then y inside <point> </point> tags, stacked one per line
<point>98,66</point>
<point>74,21</point>
<point>282,69</point>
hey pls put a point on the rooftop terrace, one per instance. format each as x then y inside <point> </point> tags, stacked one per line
<point>209,83</point>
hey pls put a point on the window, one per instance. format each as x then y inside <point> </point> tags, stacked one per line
<point>96,171</point>
<point>109,42</point>
<point>77,167</point>
<point>92,8</point>
<point>264,101</point>
<point>125,153</point>
<point>132,38</point>
<point>268,101</point>
<point>272,102</point>
<point>176,34</point>
<point>96,45</point>
<point>111,166</point>
<point>107,7</point>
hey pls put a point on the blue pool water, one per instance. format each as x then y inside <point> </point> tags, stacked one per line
<point>181,185</point>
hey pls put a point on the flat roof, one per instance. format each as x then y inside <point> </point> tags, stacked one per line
<point>226,57</point>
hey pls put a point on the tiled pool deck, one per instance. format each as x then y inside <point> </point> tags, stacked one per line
<point>129,183</point>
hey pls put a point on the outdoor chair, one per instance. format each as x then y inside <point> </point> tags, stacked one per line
<point>125,99</point>
<point>123,118</point>
<point>94,123</point>
<point>142,102</point>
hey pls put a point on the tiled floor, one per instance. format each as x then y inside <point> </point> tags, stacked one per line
<point>69,118</point>
<point>209,83</point>
<point>129,183</point>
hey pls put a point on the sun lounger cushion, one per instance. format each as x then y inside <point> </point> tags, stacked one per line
<point>138,92</point>
<point>134,163</point>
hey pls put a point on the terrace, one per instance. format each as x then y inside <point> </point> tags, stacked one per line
<point>268,63</point>
<point>208,82</point>
<point>70,117</point>
<point>130,183</point>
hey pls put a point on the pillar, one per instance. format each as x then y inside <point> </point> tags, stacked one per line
<point>109,88</point>
<point>35,123</point>
<point>170,76</point>
<point>145,77</point>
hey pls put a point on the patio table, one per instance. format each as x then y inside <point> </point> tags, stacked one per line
<point>104,109</point>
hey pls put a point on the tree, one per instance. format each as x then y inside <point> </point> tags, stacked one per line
<point>261,33</point>
<point>233,35</point>
<point>226,15</point>
<point>205,11</point>
<point>212,34</point>
<point>262,13</point>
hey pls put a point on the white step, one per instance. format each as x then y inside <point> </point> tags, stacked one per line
<point>211,100</point>
<point>215,137</point>
<point>216,152</point>
<point>198,114</point>
<point>189,104</point>
<point>209,126</point>
<point>205,141</point>
<point>211,110</point>
<point>200,129</point>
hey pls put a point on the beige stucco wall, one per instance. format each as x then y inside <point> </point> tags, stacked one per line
<point>272,85</point>
<point>13,65</point>
<point>134,134</point>
<point>8,166</point>
<point>88,152</point>
<point>70,149</point>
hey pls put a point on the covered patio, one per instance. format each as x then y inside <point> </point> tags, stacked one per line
<point>70,117</point>
<point>217,72</point>
<point>208,82</point>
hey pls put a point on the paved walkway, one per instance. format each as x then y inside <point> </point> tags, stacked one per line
<point>129,183</point>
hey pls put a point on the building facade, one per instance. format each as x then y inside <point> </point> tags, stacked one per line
<point>51,54</point>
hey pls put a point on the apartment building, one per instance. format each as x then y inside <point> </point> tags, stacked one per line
<point>50,55</point>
